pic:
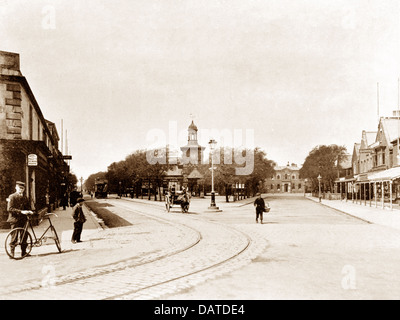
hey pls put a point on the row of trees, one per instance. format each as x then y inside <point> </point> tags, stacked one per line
<point>136,171</point>
<point>324,161</point>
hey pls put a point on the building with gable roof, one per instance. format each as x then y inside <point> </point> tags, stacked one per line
<point>366,151</point>
<point>376,165</point>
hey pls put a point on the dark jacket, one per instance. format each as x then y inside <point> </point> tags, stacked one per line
<point>77,214</point>
<point>15,205</point>
<point>260,204</point>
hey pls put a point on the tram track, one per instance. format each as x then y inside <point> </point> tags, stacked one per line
<point>151,274</point>
<point>102,269</point>
<point>181,277</point>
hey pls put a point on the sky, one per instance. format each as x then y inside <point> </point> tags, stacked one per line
<point>294,73</point>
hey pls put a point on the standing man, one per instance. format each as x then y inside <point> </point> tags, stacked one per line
<point>260,207</point>
<point>73,197</point>
<point>18,207</point>
<point>79,217</point>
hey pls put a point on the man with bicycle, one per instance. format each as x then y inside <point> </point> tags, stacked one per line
<point>18,207</point>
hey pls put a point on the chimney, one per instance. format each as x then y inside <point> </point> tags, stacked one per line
<point>9,64</point>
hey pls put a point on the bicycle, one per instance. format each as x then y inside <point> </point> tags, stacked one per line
<point>19,239</point>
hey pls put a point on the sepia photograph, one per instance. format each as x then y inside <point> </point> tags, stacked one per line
<point>199,155</point>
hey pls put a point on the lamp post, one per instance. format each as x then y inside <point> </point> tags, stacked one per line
<point>319,187</point>
<point>212,206</point>
<point>305,186</point>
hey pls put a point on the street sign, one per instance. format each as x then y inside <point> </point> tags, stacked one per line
<point>67,157</point>
<point>32,160</point>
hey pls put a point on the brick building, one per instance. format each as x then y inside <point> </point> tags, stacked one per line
<point>28,142</point>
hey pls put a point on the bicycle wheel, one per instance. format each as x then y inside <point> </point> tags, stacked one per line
<point>56,239</point>
<point>18,243</point>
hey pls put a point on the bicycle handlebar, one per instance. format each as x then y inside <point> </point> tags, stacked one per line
<point>51,214</point>
<point>27,212</point>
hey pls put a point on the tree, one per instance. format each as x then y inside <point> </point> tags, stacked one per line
<point>226,174</point>
<point>136,169</point>
<point>90,181</point>
<point>156,170</point>
<point>325,161</point>
<point>263,168</point>
<point>72,180</point>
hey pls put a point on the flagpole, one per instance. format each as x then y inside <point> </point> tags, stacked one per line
<point>377,95</point>
<point>398,121</point>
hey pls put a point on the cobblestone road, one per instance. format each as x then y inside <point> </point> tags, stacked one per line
<point>177,251</point>
<point>303,251</point>
<point>313,252</point>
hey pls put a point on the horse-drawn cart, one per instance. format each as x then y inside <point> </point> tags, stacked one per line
<point>181,198</point>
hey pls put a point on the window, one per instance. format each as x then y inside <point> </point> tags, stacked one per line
<point>278,176</point>
<point>294,177</point>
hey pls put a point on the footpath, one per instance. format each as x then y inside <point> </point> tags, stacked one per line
<point>364,211</point>
<point>64,225</point>
<point>63,222</point>
<point>105,248</point>
<point>94,227</point>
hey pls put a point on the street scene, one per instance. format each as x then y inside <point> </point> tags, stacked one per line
<point>199,151</point>
<point>303,250</point>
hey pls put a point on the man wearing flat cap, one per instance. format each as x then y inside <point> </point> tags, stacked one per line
<point>79,218</point>
<point>18,207</point>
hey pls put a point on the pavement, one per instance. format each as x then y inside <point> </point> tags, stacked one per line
<point>63,220</point>
<point>64,225</point>
<point>370,212</point>
<point>101,266</point>
<point>116,249</point>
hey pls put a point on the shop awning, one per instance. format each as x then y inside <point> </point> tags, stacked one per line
<point>386,175</point>
<point>343,179</point>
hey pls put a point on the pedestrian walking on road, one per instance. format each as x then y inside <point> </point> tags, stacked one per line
<point>260,208</point>
<point>79,218</point>
<point>18,207</point>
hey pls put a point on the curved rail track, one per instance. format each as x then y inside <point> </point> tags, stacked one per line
<point>213,249</point>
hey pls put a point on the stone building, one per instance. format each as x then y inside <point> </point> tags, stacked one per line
<point>28,142</point>
<point>285,180</point>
